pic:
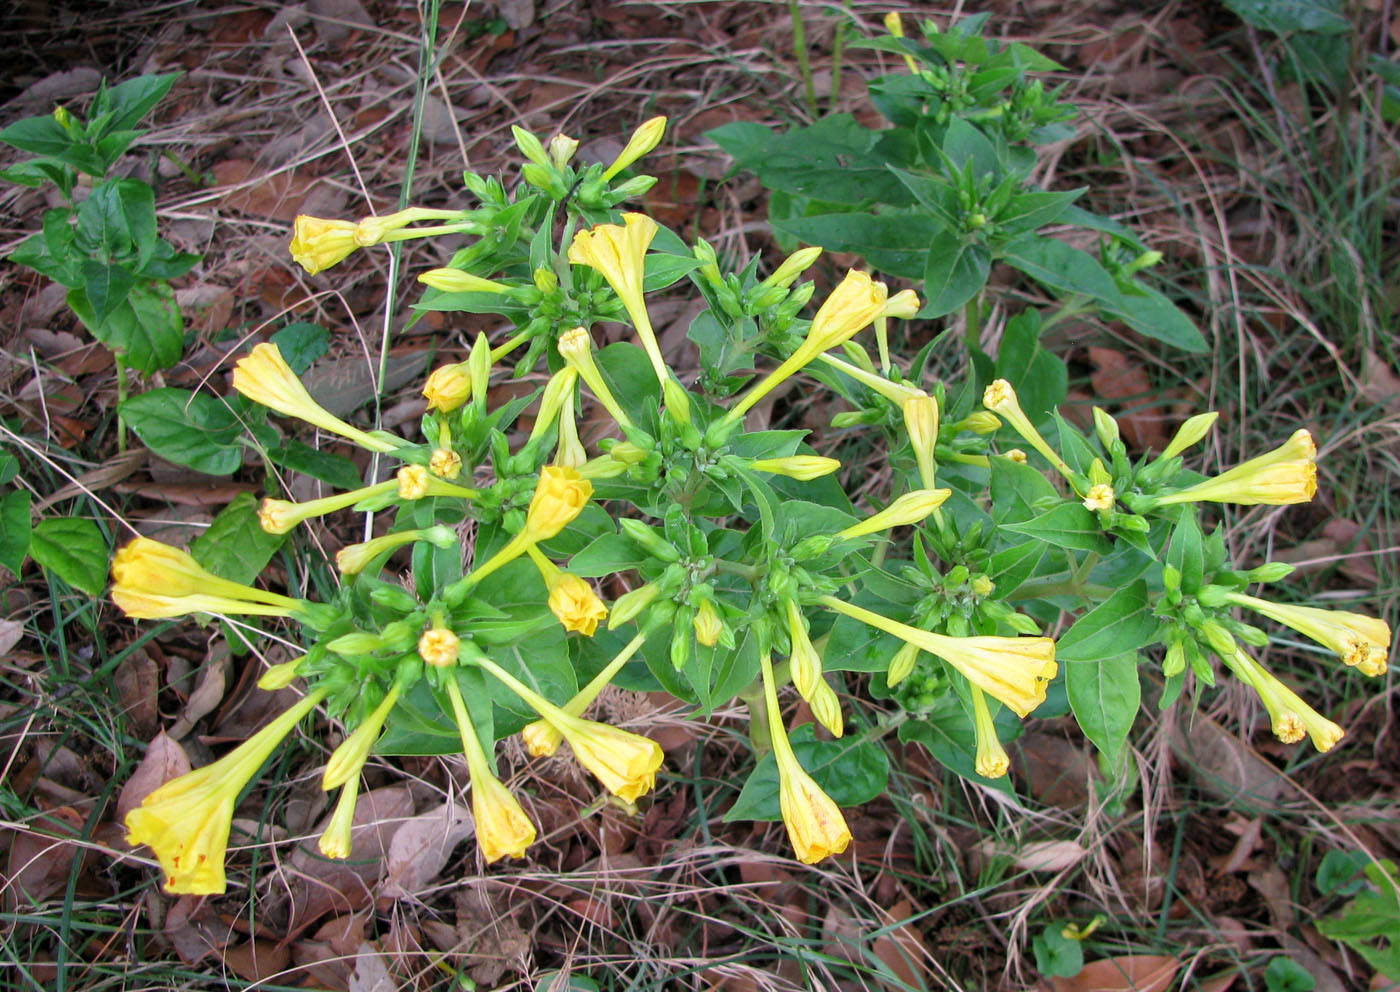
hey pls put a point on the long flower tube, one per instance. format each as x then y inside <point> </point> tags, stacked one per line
<point>1288,474</point>
<point>1291,717</point>
<point>619,254</point>
<point>152,581</point>
<point>576,348</point>
<point>187,820</point>
<point>896,392</point>
<point>279,516</point>
<point>1001,399</point>
<point>264,376</point>
<point>992,760</point>
<point>1015,670</point>
<point>502,827</point>
<point>542,739</point>
<point>908,509</point>
<point>814,822</point>
<point>343,772</point>
<point>852,305</point>
<point>1360,641</point>
<point>624,762</point>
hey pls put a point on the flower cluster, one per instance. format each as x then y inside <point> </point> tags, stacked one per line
<point>745,564</point>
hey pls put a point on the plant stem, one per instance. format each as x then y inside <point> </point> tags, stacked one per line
<point>123,390</point>
<point>799,48</point>
<point>972,317</point>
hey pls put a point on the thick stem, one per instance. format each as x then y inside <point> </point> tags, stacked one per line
<point>123,390</point>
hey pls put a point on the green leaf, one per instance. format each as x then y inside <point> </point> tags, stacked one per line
<point>1286,975</point>
<point>1186,553</point>
<point>1121,623</point>
<point>1032,210</point>
<point>1016,489</point>
<point>1104,695</point>
<point>1287,16</point>
<point>1061,268</point>
<point>336,470</point>
<point>1056,954</point>
<point>15,529</point>
<point>894,243</point>
<point>851,771</point>
<point>74,550</point>
<point>146,329</point>
<point>302,344</point>
<point>9,467</point>
<point>1151,314</point>
<point>1068,525</point>
<point>235,546</point>
<point>107,286</point>
<point>607,554</point>
<point>954,272</point>
<point>1040,377</point>
<point>118,220</point>
<point>134,99</point>
<point>948,733</point>
<point>196,430</point>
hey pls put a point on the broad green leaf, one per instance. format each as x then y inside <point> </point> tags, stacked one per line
<point>894,243</point>
<point>73,549</point>
<point>1151,314</point>
<point>851,771</point>
<point>1061,268</point>
<point>1068,525</point>
<point>336,470</point>
<point>9,467</point>
<point>1288,16</point>
<point>191,429</point>
<point>1016,488</point>
<point>146,329</point>
<point>1040,377</point>
<point>1187,554</point>
<point>1104,694</point>
<point>1121,623</point>
<point>234,545</point>
<point>15,529</point>
<point>1032,210</point>
<point>947,731</point>
<point>954,272</point>
<point>607,554</point>
<point>106,286</point>
<point>302,344</point>
<point>134,99</point>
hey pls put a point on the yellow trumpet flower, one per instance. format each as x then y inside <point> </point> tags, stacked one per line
<point>502,827</point>
<point>1288,474</point>
<point>1001,399</point>
<point>264,376</point>
<point>571,598</point>
<point>643,141</point>
<point>152,581</point>
<point>908,509</point>
<point>279,516</point>
<point>186,821</point>
<point>1292,718</point>
<point>992,761</point>
<point>1015,670</point>
<point>803,468</point>
<point>1360,641</point>
<point>626,763</point>
<point>814,822</point>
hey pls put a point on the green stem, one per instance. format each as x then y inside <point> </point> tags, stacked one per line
<point>123,390</point>
<point>195,178</point>
<point>972,317</point>
<point>799,48</point>
<point>1072,307</point>
<point>760,733</point>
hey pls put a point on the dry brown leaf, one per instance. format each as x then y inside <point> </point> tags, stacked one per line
<point>320,884</point>
<point>258,960</point>
<point>492,941</point>
<point>371,972</point>
<point>1272,884</point>
<point>903,951</point>
<point>10,633</point>
<point>1225,765</point>
<point>1048,855</point>
<point>41,856</point>
<point>1130,973</point>
<point>1379,383</point>
<point>136,682</point>
<point>1118,377</point>
<point>279,196</point>
<point>208,693</point>
<point>165,759</point>
<point>420,848</point>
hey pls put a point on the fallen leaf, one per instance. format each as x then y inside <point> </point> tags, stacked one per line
<point>10,633</point>
<point>1226,766</point>
<point>903,951</point>
<point>1049,855</point>
<point>165,759</point>
<point>1378,383</point>
<point>41,856</point>
<point>1118,377</point>
<point>371,972</point>
<point>420,848</point>
<point>136,682</point>
<point>208,692</point>
<point>1130,973</point>
<point>319,884</point>
<point>258,960</point>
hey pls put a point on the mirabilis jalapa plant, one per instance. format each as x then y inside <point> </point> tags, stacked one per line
<point>748,566</point>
